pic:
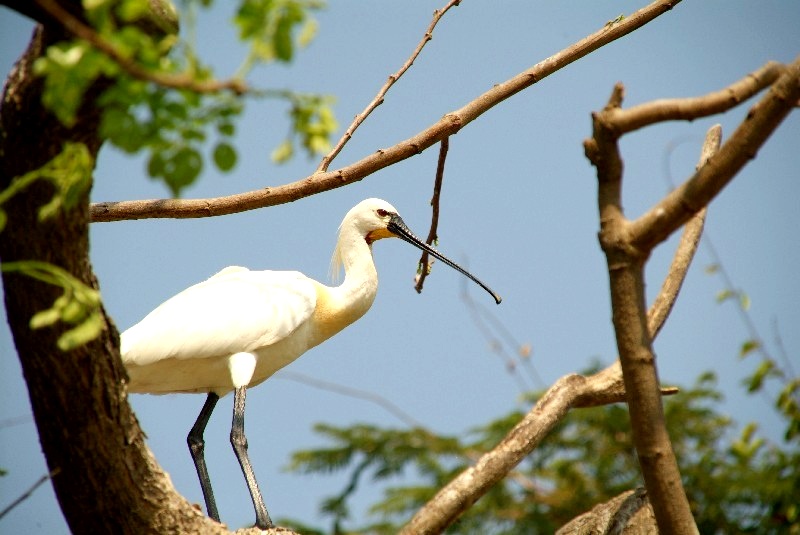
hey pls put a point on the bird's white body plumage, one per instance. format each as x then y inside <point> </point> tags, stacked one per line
<point>236,329</point>
<point>239,327</point>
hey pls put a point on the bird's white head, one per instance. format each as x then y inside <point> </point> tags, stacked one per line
<point>365,222</point>
<point>370,218</point>
<point>373,219</point>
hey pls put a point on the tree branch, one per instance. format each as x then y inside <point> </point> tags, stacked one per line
<point>450,124</point>
<point>688,109</point>
<point>686,250</point>
<point>173,81</point>
<point>424,266</point>
<point>571,391</point>
<point>627,246</point>
<point>630,512</point>
<point>673,210</point>
<point>378,100</point>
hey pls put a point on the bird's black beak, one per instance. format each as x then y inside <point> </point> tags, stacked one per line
<point>397,227</point>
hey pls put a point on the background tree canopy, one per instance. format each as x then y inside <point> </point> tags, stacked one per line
<point>518,206</point>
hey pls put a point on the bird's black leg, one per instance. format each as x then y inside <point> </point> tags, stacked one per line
<point>197,446</point>
<point>239,443</point>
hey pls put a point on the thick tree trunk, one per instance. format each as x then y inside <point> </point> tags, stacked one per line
<point>105,477</point>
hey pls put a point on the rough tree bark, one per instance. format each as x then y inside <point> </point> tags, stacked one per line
<point>105,477</point>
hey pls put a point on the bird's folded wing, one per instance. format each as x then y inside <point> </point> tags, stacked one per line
<point>235,310</point>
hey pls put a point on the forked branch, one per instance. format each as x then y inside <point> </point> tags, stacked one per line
<point>450,124</point>
<point>762,120</point>
<point>627,246</point>
<point>378,100</point>
<point>572,391</point>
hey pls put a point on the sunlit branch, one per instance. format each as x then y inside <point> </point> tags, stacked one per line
<point>378,100</point>
<point>687,247</point>
<point>448,125</point>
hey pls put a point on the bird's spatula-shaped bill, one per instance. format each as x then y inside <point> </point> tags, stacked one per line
<point>397,227</point>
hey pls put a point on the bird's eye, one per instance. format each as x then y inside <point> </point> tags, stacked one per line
<point>381,212</point>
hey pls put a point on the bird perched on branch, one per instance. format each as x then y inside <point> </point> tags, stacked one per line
<point>234,330</point>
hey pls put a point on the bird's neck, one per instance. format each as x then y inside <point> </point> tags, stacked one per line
<point>360,284</point>
<point>341,305</point>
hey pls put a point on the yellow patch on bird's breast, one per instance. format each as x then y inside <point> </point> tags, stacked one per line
<point>329,316</point>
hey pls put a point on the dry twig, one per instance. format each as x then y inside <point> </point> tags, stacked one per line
<point>378,100</point>
<point>450,124</point>
<point>424,266</point>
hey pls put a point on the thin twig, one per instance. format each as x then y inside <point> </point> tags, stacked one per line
<point>378,100</point>
<point>495,345</point>
<point>173,81</point>
<point>28,493</point>
<point>496,333</point>
<point>424,266</point>
<point>448,125</point>
<point>381,401</point>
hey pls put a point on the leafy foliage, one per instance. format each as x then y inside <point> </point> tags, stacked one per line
<point>70,174</point>
<point>78,306</point>
<point>745,486</point>
<point>312,121</point>
<point>270,25</point>
<point>174,122</point>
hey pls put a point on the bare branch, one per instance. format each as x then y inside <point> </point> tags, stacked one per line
<point>424,266</point>
<point>630,512</point>
<point>28,493</point>
<point>450,124</point>
<point>571,391</point>
<point>356,393</point>
<point>173,81</point>
<point>676,208</point>
<point>378,100</point>
<point>686,250</point>
<point>688,109</point>
<point>628,244</point>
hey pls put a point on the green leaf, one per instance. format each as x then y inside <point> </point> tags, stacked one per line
<point>70,174</point>
<point>283,152</point>
<point>226,129</point>
<point>724,295</point>
<point>711,269</point>
<point>282,40</point>
<point>756,381</point>
<point>132,10</point>
<point>224,156</point>
<point>748,346</point>
<point>45,318</point>
<point>78,305</point>
<point>307,32</point>
<point>182,169</point>
<point>744,301</point>
<point>83,333</point>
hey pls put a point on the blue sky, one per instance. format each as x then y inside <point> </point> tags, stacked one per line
<point>518,206</point>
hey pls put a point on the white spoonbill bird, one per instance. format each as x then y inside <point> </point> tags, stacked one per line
<point>236,329</point>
